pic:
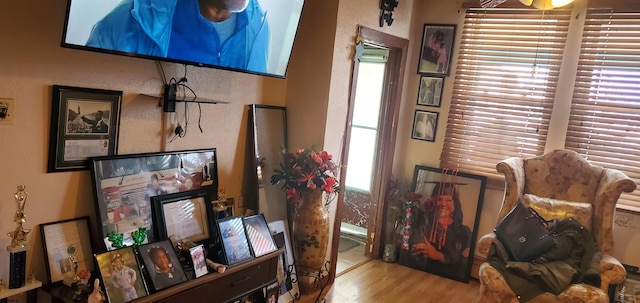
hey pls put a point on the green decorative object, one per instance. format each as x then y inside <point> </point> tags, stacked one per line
<point>139,236</point>
<point>115,239</point>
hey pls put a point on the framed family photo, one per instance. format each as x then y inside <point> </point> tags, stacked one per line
<point>430,92</point>
<point>121,275</point>
<point>234,240</point>
<point>67,248</point>
<point>289,289</point>
<point>436,50</point>
<point>425,125</point>
<point>198,260</point>
<point>444,224</point>
<point>187,215</point>
<point>124,185</point>
<point>162,264</point>
<point>84,123</point>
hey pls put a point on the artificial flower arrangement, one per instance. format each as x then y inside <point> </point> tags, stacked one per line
<point>306,170</point>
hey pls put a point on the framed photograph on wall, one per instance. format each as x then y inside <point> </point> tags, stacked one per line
<point>124,184</point>
<point>234,239</point>
<point>121,275</point>
<point>67,248</point>
<point>444,223</point>
<point>162,264</point>
<point>430,92</point>
<point>186,214</point>
<point>436,50</point>
<point>259,235</point>
<point>84,123</point>
<point>425,125</point>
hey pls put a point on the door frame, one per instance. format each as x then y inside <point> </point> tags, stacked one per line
<point>388,126</point>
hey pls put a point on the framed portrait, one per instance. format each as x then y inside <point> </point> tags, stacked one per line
<point>198,260</point>
<point>627,291</point>
<point>235,244</point>
<point>67,248</point>
<point>124,185</point>
<point>430,92</point>
<point>444,224</point>
<point>289,289</point>
<point>436,50</point>
<point>425,125</point>
<point>186,214</point>
<point>121,275</point>
<point>162,264</point>
<point>259,235</point>
<point>84,123</point>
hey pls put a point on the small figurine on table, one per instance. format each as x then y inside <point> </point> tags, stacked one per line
<point>139,236</point>
<point>115,239</point>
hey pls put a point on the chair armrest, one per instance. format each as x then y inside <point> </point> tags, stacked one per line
<point>611,271</point>
<point>484,244</point>
<point>513,171</point>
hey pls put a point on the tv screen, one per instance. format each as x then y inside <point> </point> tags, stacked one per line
<point>252,36</point>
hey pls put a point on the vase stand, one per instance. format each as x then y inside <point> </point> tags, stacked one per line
<point>313,281</point>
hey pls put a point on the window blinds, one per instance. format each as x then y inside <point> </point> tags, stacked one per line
<point>505,83</point>
<point>603,124</point>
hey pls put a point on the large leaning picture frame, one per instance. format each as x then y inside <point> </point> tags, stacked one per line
<point>436,50</point>
<point>444,224</point>
<point>123,186</point>
<point>187,214</point>
<point>67,248</point>
<point>84,123</point>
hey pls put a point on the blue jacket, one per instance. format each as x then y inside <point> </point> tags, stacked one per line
<point>144,27</point>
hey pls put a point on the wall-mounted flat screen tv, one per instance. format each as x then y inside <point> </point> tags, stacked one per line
<point>252,36</point>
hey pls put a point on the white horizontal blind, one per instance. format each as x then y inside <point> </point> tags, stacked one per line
<point>604,125</point>
<point>505,84</point>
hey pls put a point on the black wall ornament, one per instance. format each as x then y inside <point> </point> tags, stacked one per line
<point>386,11</point>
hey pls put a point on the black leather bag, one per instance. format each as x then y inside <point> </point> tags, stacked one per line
<point>524,233</point>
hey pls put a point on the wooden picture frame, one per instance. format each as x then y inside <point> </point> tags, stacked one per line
<point>198,259</point>
<point>118,269</point>
<point>444,224</point>
<point>259,235</point>
<point>124,184</point>
<point>152,257</point>
<point>187,214</point>
<point>425,125</point>
<point>84,123</point>
<point>235,244</point>
<point>65,242</point>
<point>436,49</point>
<point>289,289</point>
<point>430,92</point>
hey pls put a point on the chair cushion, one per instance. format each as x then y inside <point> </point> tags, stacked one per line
<point>559,209</point>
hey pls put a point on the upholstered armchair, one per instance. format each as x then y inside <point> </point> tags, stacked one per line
<point>560,184</point>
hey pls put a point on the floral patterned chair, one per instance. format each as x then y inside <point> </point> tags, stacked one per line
<point>560,184</point>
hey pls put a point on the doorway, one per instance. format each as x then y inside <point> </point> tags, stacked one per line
<point>369,146</point>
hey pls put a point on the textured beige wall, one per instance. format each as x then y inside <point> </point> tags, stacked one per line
<point>31,60</point>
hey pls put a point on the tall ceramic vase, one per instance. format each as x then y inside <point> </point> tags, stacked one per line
<point>310,236</point>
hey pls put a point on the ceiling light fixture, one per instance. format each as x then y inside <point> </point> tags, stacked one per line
<point>546,4</point>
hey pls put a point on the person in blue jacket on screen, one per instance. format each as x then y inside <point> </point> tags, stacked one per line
<point>229,33</point>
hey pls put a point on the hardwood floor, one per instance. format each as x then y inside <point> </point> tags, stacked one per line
<point>378,281</point>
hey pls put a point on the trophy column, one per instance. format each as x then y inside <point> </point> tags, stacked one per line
<point>18,255</point>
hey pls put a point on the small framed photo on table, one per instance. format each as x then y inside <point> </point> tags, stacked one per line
<point>234,239</point>
<point>198,260</point>
<point>162,264</point>
<point>187,215</point>
<point>84,123</point>
<point>121,275</point>
<point>67,248</point>
<point>259,235</point>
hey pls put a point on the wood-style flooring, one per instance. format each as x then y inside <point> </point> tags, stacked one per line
<point>378,281</point>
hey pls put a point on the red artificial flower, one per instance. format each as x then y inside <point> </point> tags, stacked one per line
<point>328,184</point>
<point>292,194</point>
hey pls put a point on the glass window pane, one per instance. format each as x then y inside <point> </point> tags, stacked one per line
<point>362,149</point>
<point>367,103</point>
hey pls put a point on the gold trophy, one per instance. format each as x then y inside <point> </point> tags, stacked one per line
<point>18,247</point>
